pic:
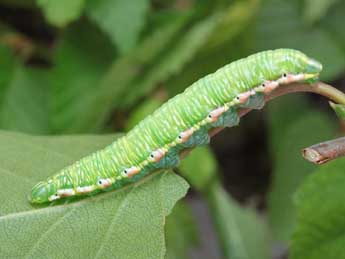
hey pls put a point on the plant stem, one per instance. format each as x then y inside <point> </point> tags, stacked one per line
<point>326,151</point>
<point>318,88</point>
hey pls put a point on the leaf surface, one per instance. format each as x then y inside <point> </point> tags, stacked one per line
<point>293,126</point>
<point>23,96</point>
<point>320,204</point>
<point>281,23</point>
<point>200,168</point>
<point>339,110</point>
<point>181,232</point>
<point>316,9</point>
<point>242,233</point>
<point>122,20</point>
<point>82,57</point>
<point>128,223</point>
<point>61,12</point>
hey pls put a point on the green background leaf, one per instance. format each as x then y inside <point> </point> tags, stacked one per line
<point>122,20</point>
<point>62,12</point>
<point>243,233</point>
<point>320,201</point>
<point>281,23</point>
<point>339,110</point>
<point>200,168</point>
<point>76,76</point>
<point>181,232</point>
<point>290,134</point>
<point>315,9</point>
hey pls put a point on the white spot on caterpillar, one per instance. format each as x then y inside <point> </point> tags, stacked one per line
<point>104,183</point>
<point>133,171</point>
<point>185,135</point>
<point>66,192</point>
<point>290,78</point>
<point>157,155</point>
<point>214,115</point>
<point>283,79</point>
<point>85,189</point>
<point>243,97</point>
<point>124,173</point>
<point>54,197</point>
<point>270,86</point>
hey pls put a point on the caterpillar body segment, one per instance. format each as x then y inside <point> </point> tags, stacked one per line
<point>182,122</point>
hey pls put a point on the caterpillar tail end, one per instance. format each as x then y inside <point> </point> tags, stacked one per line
<point>40,193</point>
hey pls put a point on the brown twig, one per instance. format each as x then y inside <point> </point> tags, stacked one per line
<point>326,151</point>
<point>320,88</point>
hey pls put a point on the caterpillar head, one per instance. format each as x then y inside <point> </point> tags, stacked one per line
<point>293,62</point>
<point>312,70</point>
<point>313,66</point>
<point>44,192</point>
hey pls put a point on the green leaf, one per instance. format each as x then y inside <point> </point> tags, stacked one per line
<point>119,76</point>
<point>181,232</point>
<point>233,19</point>
<point>339,110</point>
<point>315,9</point>
<point>128,223</point>
<point>82,57</point>
<point>280,22</point>
<point>320,202</point>
<point>242,234</point>
<point>199,167</point>
<point>231,32</point>
<point>171,61</point>
<point>332,23</point>
<point>205,35</point>
<point>25,107</point>
<point>24,100</point>
<point>122,20</point>
<point>62,12</point>
<point>293,126</point>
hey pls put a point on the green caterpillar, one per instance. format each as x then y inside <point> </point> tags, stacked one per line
<point>182,122</point>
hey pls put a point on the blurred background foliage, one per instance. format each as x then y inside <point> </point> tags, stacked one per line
<point>84,66</point>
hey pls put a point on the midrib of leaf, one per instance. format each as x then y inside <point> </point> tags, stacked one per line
<point>106,236</point>
<point>45,233</point>
<point>99,196</point>
<point>152,197</point>
<point>73,206</point>
<point>163,217</point>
